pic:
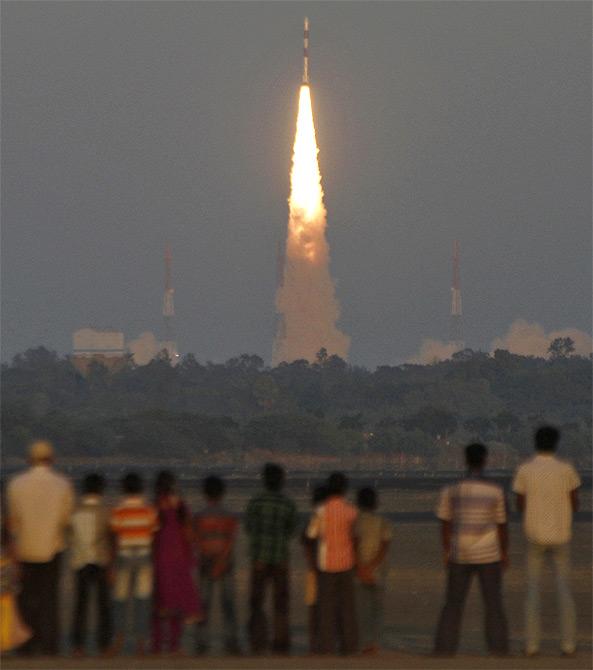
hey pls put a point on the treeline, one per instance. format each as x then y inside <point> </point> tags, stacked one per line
<point>419,413</point>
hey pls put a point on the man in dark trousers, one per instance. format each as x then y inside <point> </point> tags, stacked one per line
<point>40,503</point>
<point>270,523</point>
<point>474,535</point>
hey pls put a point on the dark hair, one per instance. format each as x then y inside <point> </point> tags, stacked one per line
<point>132,483</point>
<point>337,484</point>
<point>319,494</point>
<point>547,438</point>
<point>367,498</point>
<point>213,487</point>
<point>273,475</point>
<point>164,484</point>
<point>475,455</point>
<point>93,483</point>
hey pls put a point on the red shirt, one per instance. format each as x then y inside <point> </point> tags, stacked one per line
<point>333,525</point>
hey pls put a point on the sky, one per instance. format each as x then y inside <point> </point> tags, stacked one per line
<point>130,125</point>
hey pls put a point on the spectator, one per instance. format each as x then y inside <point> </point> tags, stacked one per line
<point>474,535</point>
<point>133,523</point>
<point>90,546</point>
<point>40,503</point>
<point>373,534</point>
<point>332,527</point>
<point>13,632</point>
<point>215,535</point>
<point>177,604</point>
<point>311,584</point>
<point>547,495</point>
<point>270,522</point>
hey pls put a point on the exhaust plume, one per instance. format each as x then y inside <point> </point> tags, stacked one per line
<point>305,299</point>
<point>522,338</point>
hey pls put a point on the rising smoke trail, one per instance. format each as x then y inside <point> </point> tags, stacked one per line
<point>305,299</point>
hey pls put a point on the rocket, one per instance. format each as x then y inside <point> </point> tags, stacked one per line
<point>306,53</point>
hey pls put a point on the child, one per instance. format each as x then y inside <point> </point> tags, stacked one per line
<point>90,545</point>
<point>176,600</point>
<point>332,525</point>
<point>215,533</point>
<point>13,631</point>
<point>133,523</point>
<point>310,547</point>
<point>373,534</point>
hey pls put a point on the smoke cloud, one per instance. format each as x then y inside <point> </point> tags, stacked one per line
<point>306,301</point>
<point>144,348</point>
<point>523,338</point>
<point>530,339</point>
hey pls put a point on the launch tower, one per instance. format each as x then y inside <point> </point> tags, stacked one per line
<point>169,343</point>
<point>456,326</point>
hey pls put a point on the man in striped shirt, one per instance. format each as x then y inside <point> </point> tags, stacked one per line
<point>133,523</point>
<point>332,525</point>
<point>474,535</point>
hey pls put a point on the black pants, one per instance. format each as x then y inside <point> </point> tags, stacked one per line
<point>39,605</point>
<point>337,612</point>
<point>278,575</point>
<point>92,577</point>
<point>495,625</point>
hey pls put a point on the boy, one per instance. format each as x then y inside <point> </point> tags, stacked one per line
<point>332,525</point>
<point>270,523</point>
<point>90,545</point>
<point>475,541</point>
<point>134,523</point>
<point>373,534</point>
<point>215,534</point>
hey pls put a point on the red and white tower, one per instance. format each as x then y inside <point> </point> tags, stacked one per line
<point>456,326</point>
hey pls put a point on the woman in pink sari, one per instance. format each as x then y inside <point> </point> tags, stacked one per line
<point>177,605</point>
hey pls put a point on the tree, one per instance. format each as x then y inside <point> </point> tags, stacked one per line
<point>561,347</point>
<point>432,421</point>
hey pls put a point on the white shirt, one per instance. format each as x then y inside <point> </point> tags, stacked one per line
<point>90,539</point>
<point>475,506</point>
<point>546,483</point>
<point>40,503</point>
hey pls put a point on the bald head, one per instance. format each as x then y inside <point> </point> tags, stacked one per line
<point>41,452</point>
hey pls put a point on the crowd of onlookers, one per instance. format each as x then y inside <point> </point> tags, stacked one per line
<point>153,568</point>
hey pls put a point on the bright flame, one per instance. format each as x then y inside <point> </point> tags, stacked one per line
<point>306,195</point>
<point>306,300</point>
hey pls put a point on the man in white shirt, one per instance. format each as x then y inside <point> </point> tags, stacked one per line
<point>40,503</point>
<point>547,495</point>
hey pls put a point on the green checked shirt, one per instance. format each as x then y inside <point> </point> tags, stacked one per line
<point>270,522</point>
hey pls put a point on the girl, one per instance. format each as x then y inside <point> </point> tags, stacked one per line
<point>177,605</point>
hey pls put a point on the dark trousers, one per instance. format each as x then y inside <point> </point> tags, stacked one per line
<point>495,625</point>
<point>278,575</point>
<point>337,612</point>
<point>88,579</point>
<point>39,605</point>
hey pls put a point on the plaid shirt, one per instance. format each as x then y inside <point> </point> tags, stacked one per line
<point>270,522</point>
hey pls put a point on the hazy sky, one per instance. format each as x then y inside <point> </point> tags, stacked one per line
<point>130,124</point>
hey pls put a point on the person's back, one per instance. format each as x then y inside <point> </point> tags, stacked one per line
<point>90,556</point>
<point>547,495</point>
<point>547,482</point>
<point>270,523</point>
<point>332,525</point>
<point>215,531</point>
<point>40,502</point>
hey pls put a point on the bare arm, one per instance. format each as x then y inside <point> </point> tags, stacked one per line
<point>446,540</point>
<point>574,500</point>
<point>520,502</point>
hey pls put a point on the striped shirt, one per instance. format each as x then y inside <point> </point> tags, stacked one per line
<point>475,507</point>
<point>134,524</point>
<point>215,529</point>
<point>332,524</point>
<point>546,483</point>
